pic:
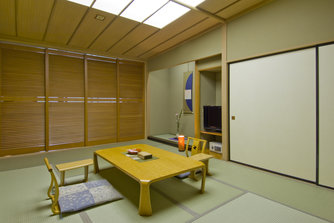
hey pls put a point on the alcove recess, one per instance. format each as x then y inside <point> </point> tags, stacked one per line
<point>209,93</point>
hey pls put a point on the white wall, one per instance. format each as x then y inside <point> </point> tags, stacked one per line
<point>204,46</point>
<point>280,25</point>
<point>166,93</point>
<point>159,90</point>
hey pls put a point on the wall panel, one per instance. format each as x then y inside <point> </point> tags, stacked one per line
<point>22,103</point>
<point>102,108</point>
<point>66,101</point>
<point>131,101</point>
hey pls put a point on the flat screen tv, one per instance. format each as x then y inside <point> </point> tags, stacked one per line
<point>212,118</point>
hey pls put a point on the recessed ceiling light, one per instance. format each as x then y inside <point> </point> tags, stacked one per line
<point>111,6</point>
<point>99,17</point>
<point>192,3</point>
<point>167,14</point>
<point>139,10</point>
<point>82,2</point>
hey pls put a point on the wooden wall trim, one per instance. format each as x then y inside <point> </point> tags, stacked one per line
<point>225,97</point>
<point>145,99</point>
<point>22,48</point>
<point>66,146</point>
<point>197,109</point>
<point>102,59</point>
<point>86,101</point>
<point>117,102</point>
<point>19,151</point>
<point>66,53</point>
<point>0,90</point>
<point>301,47</point>
<point>47,93</point>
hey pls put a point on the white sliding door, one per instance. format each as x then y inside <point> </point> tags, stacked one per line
<point>273,100</point>
<point>326,115</point>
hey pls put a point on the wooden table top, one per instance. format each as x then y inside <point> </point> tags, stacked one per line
<point>167,165</point>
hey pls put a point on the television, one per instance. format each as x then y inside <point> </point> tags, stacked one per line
<point>212,118</point>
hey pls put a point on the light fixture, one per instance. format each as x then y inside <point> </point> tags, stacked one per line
<point>192,3</point>
<point>167,14</point>
<point>157,13</point>
<point>99,17</point>
<point>139,10</point>
<point>111,6</point>
<point>82,2</point>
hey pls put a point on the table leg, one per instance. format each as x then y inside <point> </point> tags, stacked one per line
<point>96,165</point>
<point>206,162</point>
<point>145,208</point>
<point>203,179</point>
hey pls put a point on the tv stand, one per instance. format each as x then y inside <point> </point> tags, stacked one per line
<point>213,136</point>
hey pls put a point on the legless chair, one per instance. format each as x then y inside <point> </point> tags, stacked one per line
<point>198,153</point>
<point>79,196</point>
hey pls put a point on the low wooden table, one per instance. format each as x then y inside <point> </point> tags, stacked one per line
<point>166,165</point>
<point>73,165</point>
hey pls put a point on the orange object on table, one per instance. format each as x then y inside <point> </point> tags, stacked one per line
<point>181,143</point>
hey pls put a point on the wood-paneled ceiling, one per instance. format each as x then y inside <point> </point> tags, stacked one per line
<point>65,25</point>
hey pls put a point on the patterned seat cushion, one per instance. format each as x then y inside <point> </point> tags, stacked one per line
<point>80,196</point>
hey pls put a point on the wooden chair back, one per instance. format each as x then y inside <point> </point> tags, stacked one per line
<point>197,146</point>
<point>54,184</point>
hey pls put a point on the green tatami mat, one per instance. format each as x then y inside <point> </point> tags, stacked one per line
<point>303,196</point>
<point>68,155</point>
<point>187,193</point>
<point>24,199</point>
<point>126,211</point>
<point>25,180</point>
<point>251,208</point>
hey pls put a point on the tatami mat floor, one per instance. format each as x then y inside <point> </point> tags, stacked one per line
<point>234,193</point>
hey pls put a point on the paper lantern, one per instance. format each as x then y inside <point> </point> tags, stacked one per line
<point>181,143</point>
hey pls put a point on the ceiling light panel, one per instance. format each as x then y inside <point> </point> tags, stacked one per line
<point>82,2</point>
<point>170,12</point>
<point>139,10</point>
<point>192,3</point>
<point>111,6</point>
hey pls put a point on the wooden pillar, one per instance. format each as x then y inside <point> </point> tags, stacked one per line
<point>225,96</point>
<point>117,101</point>
<point>197,108</point>
<point>47,92</point>
<point>85,101</point>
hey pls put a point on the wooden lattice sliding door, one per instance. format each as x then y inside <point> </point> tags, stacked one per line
<point>52,99</point>
<point>66,101</point>
<point>101,101</point>
<point>22,124</point>
<point>131,101</point>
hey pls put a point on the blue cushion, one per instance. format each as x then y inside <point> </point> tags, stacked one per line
<point>80,196</point>
<point>183,175</point>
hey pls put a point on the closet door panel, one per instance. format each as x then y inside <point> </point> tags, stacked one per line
<point>131,121</point>
<point>22,103</point>
<point>273,101</point>
<point>66,101</point>
<point>131,101</point>
<point>102,108</point>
